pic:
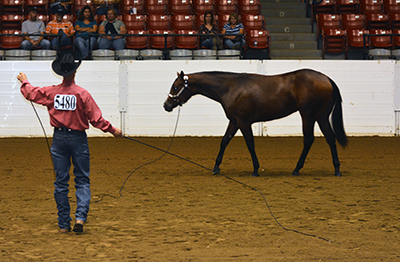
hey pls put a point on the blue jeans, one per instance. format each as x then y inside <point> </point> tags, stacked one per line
<point>118,44</point>
<point>229,44</point>
<point>207,43</point>
<point>44,44</point>
<point>83,45</point>
<point>65,41</point>
<point>69,145</point>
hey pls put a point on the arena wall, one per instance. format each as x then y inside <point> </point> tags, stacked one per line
<point>131,95</point>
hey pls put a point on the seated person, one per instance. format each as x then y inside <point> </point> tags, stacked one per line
<point>112,26</point>
<point>102,6</point>
<point>83,26</point>
<point>65,5</point>
<point>233,27</point>
<point>34,26</point>
<point>59,26</point>
<point>208,28</point>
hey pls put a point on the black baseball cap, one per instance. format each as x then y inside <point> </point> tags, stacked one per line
<point>33,9</point>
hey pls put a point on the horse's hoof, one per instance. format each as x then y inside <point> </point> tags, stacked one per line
<point>338,174</point>
<point>215,171</point>
<point>255,174</point>
<point>295,173</point>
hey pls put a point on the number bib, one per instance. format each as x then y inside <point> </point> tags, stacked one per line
<point>65,102</point>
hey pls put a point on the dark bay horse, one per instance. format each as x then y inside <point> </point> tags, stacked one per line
<point>250,98</point>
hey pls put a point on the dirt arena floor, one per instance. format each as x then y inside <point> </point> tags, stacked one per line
<point>172,210</point>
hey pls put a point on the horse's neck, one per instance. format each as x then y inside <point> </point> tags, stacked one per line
<point>207,88</point>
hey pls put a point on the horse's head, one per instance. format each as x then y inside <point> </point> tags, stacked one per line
<point>179,93</point>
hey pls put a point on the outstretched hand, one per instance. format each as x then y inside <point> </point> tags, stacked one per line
<point>21,77</point>
<point>118,133</point>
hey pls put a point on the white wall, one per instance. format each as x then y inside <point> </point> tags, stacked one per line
<point>139,89</point>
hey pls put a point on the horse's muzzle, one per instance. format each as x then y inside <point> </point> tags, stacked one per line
<point>168,107</point>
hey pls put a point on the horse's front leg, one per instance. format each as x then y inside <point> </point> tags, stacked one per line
<point>249,138</point>
<point>230,132</point>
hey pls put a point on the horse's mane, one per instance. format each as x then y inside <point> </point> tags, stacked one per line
<point>219,73</point>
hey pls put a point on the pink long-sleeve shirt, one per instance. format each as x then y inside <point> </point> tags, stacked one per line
<point>69,105</point>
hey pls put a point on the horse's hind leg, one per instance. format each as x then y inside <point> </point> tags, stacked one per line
<point>326,129</point>
<point>308,133</point>
<point>230,132</point>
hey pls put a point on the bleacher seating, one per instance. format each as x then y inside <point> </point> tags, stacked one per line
<point>334,41</point>
<point>380,17</point>
<point>146,17</point>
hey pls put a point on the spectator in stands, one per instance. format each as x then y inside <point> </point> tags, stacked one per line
<point>60,26</point>
<point>112,26</point>
<point>34,26</point>
<point>65,5</point>
<point>102,6</point>
<point>208,28</point>
<point>83,27</point>
<point>234,26</point>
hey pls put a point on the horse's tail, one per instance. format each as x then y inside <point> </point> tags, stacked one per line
<point>337,116</point>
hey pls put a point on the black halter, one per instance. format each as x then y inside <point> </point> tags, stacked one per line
<point>185,85</point>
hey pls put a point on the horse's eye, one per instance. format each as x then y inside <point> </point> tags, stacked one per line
<point>175,87</point>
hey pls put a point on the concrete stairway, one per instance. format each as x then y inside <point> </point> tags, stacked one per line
<point>290,30</point>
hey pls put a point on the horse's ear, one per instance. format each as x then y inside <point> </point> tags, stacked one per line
<point>182,74</point>
<point>177,74</point>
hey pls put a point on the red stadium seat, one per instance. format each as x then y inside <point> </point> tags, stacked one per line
<point>382,40</point>
<point>251,21</point>
<point>327,21</point>
<point>158,21</point>
<point>226,6</point>
<point>137,42</point>
<point>347,7</point>
<point>11,21</point>
<point>371,6</point>
<point>158,42</point>
<point>334,41</point>
<point>202,6</point>
<point>127,5</point>
<point>156,6</point>
<point>10,42</point>
<point>12,6</point>
<point>249,7</point>
<point>353,21</point>
<point>186,42</point>
<point>355,38</point>
<point>377,21</point>
<point>391,6</point>
<point>180,7</point>
<point>394,21</point>
<point>324,7</point>
<point>396,38</point>
<point>137,22</point>
<point>258,39</point>
<point>182,22</point>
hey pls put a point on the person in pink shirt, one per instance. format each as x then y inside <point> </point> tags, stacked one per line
<point>71,108</point>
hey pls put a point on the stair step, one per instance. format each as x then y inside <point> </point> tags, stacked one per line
<point>283,13</point>
<point>293,45</point>
<point>292,37</point>
<point>288,21</point>
<point>295,53</point>
<point>289,28</point>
